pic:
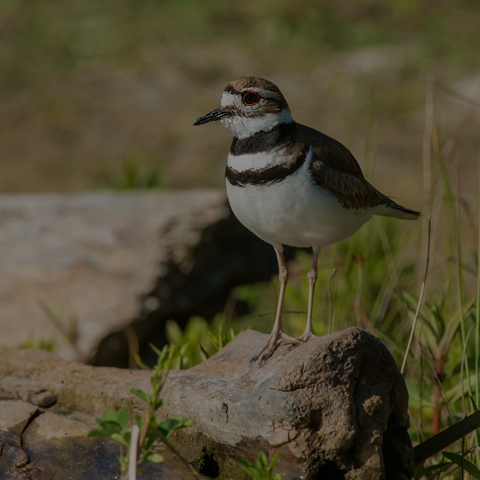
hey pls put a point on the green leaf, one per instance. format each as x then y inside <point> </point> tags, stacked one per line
<point>123,417</point>
<point>110,423</point>
<point>155,349</point>
<point>250,469</point>
<point>274,460</point>
<point>103,431</point>
<point>138,420</point>
<point>139,361</point>
<point>468,466</point>
<point>153,458</point>
<point>262,462</point>
<point>111,416</point>
<point>203,351</point>
<point>262,470</point>
<point>109,419</point>
<point>160,402</point>
<point>142,394</point>
<point>118,438</point>
<point>168,426</point>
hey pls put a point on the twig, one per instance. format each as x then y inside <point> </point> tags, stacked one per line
<point>427,143</point>
<point>132,457</point>
<point>420,300</point>
<point>330,300</point>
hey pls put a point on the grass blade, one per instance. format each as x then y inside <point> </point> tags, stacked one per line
<point>420,300</point>
<point>463,463</point>
<point>443,439</point>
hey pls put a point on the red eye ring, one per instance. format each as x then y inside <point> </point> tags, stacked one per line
<point>250,98</point>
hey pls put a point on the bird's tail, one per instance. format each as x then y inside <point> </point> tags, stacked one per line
<point>396,211</point>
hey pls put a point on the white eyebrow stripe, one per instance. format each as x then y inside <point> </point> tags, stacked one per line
<point>229,98</point>
<point>262,92</point>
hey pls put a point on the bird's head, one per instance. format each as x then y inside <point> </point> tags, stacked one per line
<point>250,105</point>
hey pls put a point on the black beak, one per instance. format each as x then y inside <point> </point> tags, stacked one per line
<point>213,116</point>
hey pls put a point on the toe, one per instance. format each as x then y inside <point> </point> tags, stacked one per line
<point>271,344</point>
<point>288,340</point>
<point>305,336</point>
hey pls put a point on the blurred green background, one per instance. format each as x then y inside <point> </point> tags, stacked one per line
<point>94,91</point>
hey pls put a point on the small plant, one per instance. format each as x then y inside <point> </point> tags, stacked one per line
<point>48,344</point>
<point>198,341</point>
<point>218,341</point>
<point>65,322</point>
<point>134,173</point>
<point>261,470</point>
<point>138,434</point>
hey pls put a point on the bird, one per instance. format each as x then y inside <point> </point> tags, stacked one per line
<point>291,185</point>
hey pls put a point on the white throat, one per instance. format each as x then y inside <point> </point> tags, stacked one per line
<point>243,127</point>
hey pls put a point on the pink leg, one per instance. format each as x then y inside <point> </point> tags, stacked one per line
<point>276,335</point>
<point>312,278</point>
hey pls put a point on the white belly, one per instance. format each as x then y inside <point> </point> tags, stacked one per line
<point>294,212</point>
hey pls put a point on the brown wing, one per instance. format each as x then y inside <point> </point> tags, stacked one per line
<point>335,169</point>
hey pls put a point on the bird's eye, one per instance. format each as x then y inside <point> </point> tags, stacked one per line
<point>251,98</point>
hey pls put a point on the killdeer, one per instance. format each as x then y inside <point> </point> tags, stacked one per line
<point>291,185</point>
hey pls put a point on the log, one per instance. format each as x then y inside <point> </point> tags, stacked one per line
<point>119,264</point>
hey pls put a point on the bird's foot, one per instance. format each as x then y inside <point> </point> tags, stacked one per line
<point>307,335</point>
<point>273,342</point>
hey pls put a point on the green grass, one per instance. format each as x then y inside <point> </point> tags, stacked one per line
<point>48,344</point>
<point>132,174</point>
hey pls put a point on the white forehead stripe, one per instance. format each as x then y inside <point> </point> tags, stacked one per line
<point>228,99</point>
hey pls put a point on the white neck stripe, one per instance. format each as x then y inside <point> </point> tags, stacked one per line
<point>243,127</point>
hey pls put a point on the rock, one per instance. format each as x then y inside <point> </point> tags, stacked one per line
<point>335,407</point>
<point>109,268</point>
<point>82,391</point>
<point>335,403</point>
<point>14,416</point>
<point>44,399</point>
<point>58,447</point>
<point>40,445</point>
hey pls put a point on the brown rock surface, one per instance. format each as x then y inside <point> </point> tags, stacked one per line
<point>119,260</point>
<point>14,417</point>
<point>335,407</point>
